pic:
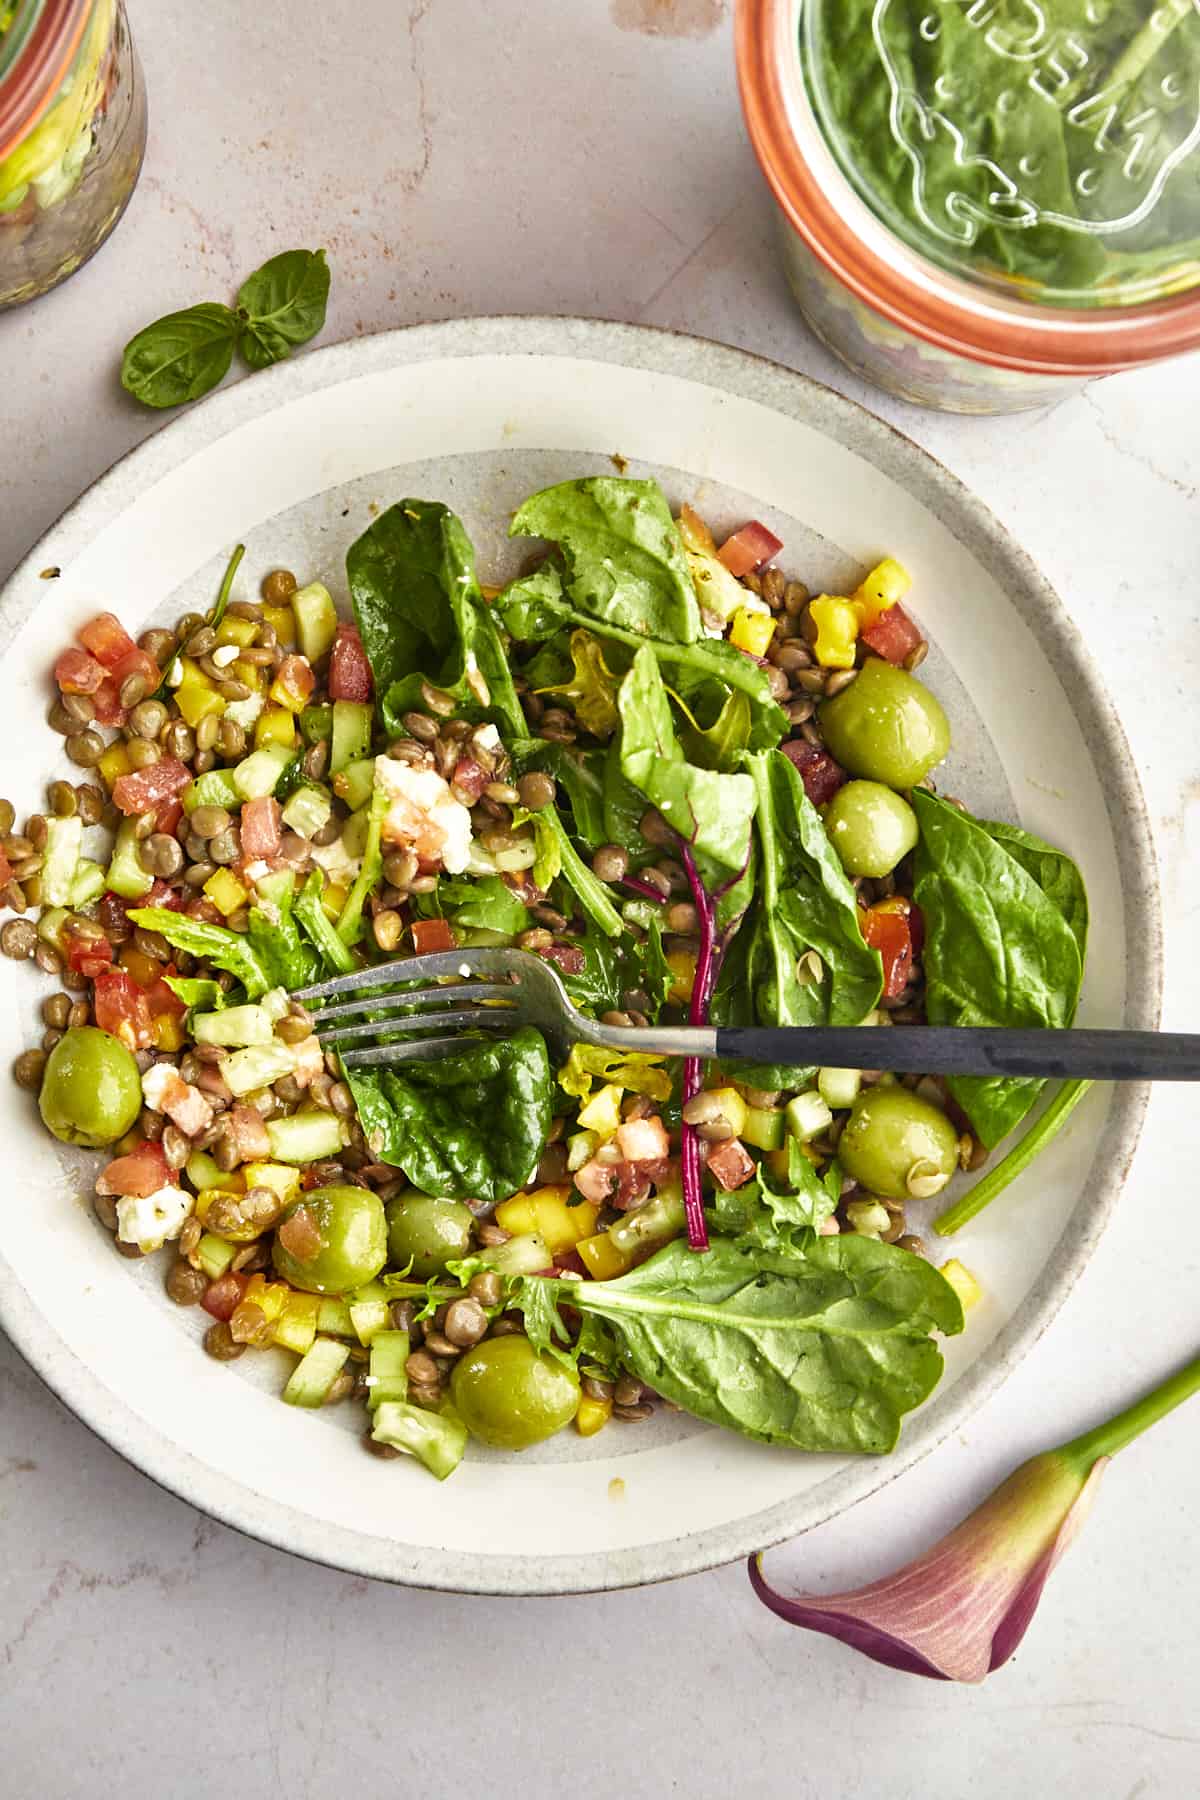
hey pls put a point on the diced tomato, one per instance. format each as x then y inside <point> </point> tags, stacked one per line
<point>107,639</point>
<point>163,1000</point>
<point>106,702</point>
<point>249,1134</point>
<point>567,957</point>
<point>749,548</point>
<point>202,908</point>
<point>138,662</point>
<point>167,817</point>
<point>88,953</point>
<point>144,790</point>
<point>887,931</point>
<point>262,829</point>
<point>142,1172</point>
<point>822,777</point>
<point>224,1295</point>
<point>569,1260</point>
<point>121,1008</point>
<point>469,779</point>
<point>78,673</point>
<point>114,908</point>
<point>894,636</point>
<point>295,681</point>
<point>431,935</point>
<point>730,1165</point>
<point>349,670</point>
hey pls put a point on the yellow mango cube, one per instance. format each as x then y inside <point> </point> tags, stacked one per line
<point>682,964</point>
<point>196,696</point>
<point>548,1212</point>
<point>282,1180</point>
<point>226,891</point>
<point>276,725</point>
<point>249,674</point>
<point>592,1416</point>
<point>333,898</point>
<point>168,1032</point>
<point>114,763</point>
<point>237,631</point>
<point>602,1113</point>
<point>885,587</point>
<point>837,632</point>
<point>601,1257</point>
<point>963,1282</point>
<point>732,1105</point>
<point>282,620</point>
<point>752,632</point>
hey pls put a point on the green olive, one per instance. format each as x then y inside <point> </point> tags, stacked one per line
<point>870,827</point>
<point>886,726</point>
<point>91,1090</point>
<point>427,1233</point>
<point>509,1395</point>
<point>898,1145</point>
<point>353,1241</point>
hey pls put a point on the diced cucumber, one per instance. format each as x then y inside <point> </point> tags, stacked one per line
<point>256,1067</point>
<point>316,1373</point>
<point>351,740</point>
<point>126,875</point>
<point>354,832</point>
<point>203,1172</point>
<point>214,788</point>
<point>523,1255</point>
<point>307,1136</point>
<point>316,722</point>
<point>316,619</point>
<point>763,1127</point>
<point>580,1147</point>
<point>60,859</point>
<point>438,1440</point>
<point>808,1116</point>
<point>275,1002</point>
<point>214,1255</point>
<point>354,783</point>
<point>88,883</point>
<point>308,810</point>
<point>50,926</point>
<point>387,1377</point>
<point>333,1317</point>
<point>257,775</point>
<point>369,1316</point>
<point>839,1087</point>
<point>234,1027</point>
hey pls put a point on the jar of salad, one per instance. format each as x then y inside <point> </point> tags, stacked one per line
<point>72,136</point>
<point>984,203</point>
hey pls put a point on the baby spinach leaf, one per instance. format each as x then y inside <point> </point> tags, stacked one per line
<point>612,968</point>
<point>422,617</point>
<point>558,856</point>
<point>822,1349</point>
<point>282,305</point>
<point>998,951</point>
<point>482,904</point>
<point>805,903</point>
<point>536,608</point>
<point>274,935</point>
<point>469,1127</point>
<point>1053,870</point>
<point>180,357</point>
<point>318,927</point>
<point>579,773</point>
<point>215,944</point>
<point>764,1217</point>
<point>623,555</point>
<point>710,811</point>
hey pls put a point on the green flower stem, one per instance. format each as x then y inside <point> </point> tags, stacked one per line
<point>1107,1439</point>
<point>1016,1162</point>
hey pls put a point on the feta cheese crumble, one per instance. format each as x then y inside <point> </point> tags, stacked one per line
<point>149,1220</point>
<point>423,815</point>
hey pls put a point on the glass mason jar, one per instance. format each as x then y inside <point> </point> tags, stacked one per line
<point>984,204</point>
<point>72,136</point>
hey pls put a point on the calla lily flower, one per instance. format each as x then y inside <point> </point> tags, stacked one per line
<point>960,1610</point>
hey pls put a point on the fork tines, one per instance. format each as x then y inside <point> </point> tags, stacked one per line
<point>382,1003</point>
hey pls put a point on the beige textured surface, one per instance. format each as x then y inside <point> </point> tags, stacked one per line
<point>563,155</point>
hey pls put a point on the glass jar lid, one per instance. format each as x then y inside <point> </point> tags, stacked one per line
<point>1049,149</point>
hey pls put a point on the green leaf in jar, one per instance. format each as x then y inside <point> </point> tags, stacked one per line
<point>180,357</point>
<point>282,305</point>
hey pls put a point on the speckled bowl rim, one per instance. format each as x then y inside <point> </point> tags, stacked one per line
<point>942,493</point>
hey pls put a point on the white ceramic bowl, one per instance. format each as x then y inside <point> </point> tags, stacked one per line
<point>479,413</point>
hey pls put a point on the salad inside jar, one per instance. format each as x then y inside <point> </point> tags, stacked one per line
<point>699,791</point>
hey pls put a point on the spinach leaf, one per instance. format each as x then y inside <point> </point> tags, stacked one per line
<point>311,915</point>
<point>822,1349</point>
<point>710,811</point>
<point>998,951</point>
<point>198,994</point>
<point>181,356</point>
<point>422,617</point>
<point>469,1127</point>
<point>623,808</point>
<point>536,608</point>
<point>482,904</point>
<point>760,1216</point>
<point>613,968</point>
<point>564,859</point>
<point>216,944</point>
<point>721,744</point>
<point>1055,873</point>
<point>805,903</point>
<point>282,305</point>
<point>579,773</point>
<point>623,555</point>
<point>274,935</point>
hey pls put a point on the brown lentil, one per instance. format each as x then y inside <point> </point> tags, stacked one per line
<point>486,1287</point>
<point>225,847</point>
<point>916,656</point>
<point>48,959</point>
<point>176,1147</point>
<point>610,863</point>
<point>278,587</point>
<point>142,753</point>
<point>385,1452</point>
<point>595,1388</point>
<point>86,749</point>
<point>220,1343</point>
<point>199,873</point>
<point>64,801</point>
<point>421,1369</point>
<point>157,643</point>
<point>161,855</point>
<point>399,867</point>
<point>492,1236</point>
<point>60,720</point>
<point>631,1415</point>
<point>439,1345</point>
<point>79,1014</point>
<point>838,681</point>
<point>210,821</point>
<point>105,1208</point>
<point>536,790</point>
<point>231,738</point>
<point>185,1286</point>
<point>388,927</point>
<point>8,817</point>
<point>18,939</point>
<point>27,1070</point>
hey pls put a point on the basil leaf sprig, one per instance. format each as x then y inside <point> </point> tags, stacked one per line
<point>186,354</point>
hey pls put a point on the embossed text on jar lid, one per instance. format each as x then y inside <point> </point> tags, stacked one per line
<point>1047,148</point>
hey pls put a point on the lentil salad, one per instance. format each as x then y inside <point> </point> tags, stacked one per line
<point>695,788</point>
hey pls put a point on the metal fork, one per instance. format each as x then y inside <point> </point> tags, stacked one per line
<point>419,1007</point>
